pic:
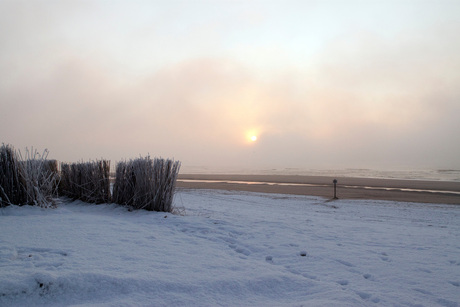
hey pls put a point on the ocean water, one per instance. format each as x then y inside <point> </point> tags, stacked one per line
<point>428,174</point>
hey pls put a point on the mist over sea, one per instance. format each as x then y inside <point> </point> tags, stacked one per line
<point>428,174</point>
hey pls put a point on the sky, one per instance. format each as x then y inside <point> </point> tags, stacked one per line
<point>321,84</point>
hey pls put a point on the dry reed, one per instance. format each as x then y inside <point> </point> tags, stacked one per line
<point>141,183</point>
<point>89,182</point>
<point>30,181</point>
<point>12,185</point>
<point>147,184</point>
<point>41,178</point>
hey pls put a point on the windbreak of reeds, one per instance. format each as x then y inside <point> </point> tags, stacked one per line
<point>147,184</point>
<point>142,183</point>
<point>30,181</point>
<point>86,181</point>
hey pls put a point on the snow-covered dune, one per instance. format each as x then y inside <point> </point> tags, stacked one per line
<point>232,249</point>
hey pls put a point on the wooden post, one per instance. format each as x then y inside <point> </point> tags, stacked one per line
<point>335,188</point>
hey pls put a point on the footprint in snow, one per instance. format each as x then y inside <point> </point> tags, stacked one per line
<point>346,263</point>
<point>242,251</point>
<point>363,295</point>
<point>309,276</point>
<point>342,282</point>
<point>239,250</point>
<point>368,277</point>
<point>41,257</point>
<point>423,291</point>
<point>367,296</point>
<point>384,257</point>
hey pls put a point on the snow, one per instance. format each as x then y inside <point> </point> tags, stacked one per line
<point>232,249</point>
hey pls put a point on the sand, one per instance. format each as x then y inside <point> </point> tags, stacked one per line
<point>347,188</point>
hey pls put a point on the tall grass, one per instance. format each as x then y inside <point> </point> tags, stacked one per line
<point>147,184</point>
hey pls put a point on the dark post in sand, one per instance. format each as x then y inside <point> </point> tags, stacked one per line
<point>335,188</point>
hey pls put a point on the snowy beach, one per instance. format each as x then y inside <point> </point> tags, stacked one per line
<point>232,248</point>
<point>229,153</point>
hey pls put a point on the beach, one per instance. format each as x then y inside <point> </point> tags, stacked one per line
<point>419,191</point>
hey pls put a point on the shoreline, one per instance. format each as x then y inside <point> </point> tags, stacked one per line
<point>419,191</point>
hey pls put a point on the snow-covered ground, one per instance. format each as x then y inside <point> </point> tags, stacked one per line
<point>232,249</point>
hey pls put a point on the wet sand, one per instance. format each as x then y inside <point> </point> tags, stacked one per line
<point>347,188</point>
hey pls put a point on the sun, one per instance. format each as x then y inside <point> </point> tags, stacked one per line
<point>252,136</point>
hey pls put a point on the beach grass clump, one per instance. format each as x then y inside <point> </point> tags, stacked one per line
<point>86,181</point>
<point>147,184</point>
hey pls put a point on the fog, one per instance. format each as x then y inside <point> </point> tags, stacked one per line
<point>321,84</point>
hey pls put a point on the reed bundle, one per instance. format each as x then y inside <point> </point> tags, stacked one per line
<point>89,182</point>
<point>30,181</point>
<point>141,183</point>
<point>41,178</point>
<point>144,183</point>
<point>12,185</point>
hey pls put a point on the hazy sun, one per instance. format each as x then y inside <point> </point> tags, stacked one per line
<point>252,136</point>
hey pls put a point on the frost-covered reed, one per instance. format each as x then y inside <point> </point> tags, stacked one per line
<point>30,181</point>
<point>142,183</point>
<point>12,185</point>
<point>86,181</point>
<point>147,184</point>
<point>41,178</point>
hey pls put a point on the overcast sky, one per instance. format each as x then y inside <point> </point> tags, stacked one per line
<point>322,84</point>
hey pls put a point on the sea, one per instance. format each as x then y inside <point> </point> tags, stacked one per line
<point>452,175</point>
